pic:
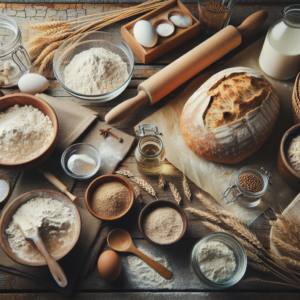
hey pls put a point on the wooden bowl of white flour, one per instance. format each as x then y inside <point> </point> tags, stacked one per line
<point>56,217</point>
<point>28,132</point>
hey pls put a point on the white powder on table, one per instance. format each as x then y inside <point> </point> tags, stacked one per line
<point>293,154</point>
<point>216,261</point>
<point>141,274</point>
<point>180,20</point>
<point>95,71</point>
<point>25,132</point>
<point>39,212</point>
<point>163,225</point>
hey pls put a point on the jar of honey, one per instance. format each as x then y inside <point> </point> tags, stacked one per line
<point>150,153</point>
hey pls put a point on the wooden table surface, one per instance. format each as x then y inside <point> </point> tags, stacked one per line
<point>185,284</point>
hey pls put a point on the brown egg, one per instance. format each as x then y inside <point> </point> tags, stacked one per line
<point>109,265</point>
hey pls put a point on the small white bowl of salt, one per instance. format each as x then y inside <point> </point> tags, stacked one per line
<point>81,161</point>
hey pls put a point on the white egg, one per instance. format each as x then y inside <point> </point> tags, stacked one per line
<point>33,83</point>
<point>145,33</point>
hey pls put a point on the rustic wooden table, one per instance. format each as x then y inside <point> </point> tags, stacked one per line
<point>185,284</point>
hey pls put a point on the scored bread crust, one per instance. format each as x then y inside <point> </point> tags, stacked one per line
<point>230,116</point>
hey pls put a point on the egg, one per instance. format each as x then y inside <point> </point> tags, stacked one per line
<point>145,33</point>
<point>109,265</point>
<point>33,83</point>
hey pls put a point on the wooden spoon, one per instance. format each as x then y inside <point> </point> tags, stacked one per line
<point>32,234</point>
<point>120,240</point>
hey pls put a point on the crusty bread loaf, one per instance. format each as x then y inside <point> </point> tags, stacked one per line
<point>230,116</point>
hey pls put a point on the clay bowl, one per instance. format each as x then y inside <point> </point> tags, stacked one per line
<point>13,206</point>
<point>25,99</point>
<point>164,21</point>
<point>285,170</point>
<point>154,205</point>
<point>6,180</point>
<point>96,183</point>
<point>176,12</point>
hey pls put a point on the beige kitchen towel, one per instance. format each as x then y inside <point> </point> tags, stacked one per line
<point>82,257</point>
<point>214,177</point>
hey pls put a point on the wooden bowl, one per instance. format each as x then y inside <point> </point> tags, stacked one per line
<point>6,180</point>
<point>13,206</point>
<point>25,99</point>
<point>154,205</point>
<point>176,12</point>
<point>164,21</point>
<point>97,182</point>
<point>285,170</point>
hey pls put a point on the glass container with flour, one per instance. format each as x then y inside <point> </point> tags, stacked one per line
<point>14,59</point>
<point>280,55</point>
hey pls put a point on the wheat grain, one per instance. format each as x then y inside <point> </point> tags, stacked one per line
<point>258,267</point>
<point>286,246</point>
<point>253,257</point>
<point>137,194</point>
<point>186,188</point>
<point>204,216</point>
<point>291,262</point>
<point>289,224</point>
<point>124,173</point>
<point>175,193</point>
<point>46,25</point>
<point>46,61</point>
<point>213,227</point>
<point>161,182</point>
<point>144,185</point>
<point>41,36</point>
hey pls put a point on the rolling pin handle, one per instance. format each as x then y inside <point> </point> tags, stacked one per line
<point>126,108</point>
<point>253,22</point>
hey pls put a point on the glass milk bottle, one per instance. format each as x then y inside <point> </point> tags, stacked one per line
<point>280,55</point>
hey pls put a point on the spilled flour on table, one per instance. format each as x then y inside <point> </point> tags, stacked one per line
<point>141,274</point>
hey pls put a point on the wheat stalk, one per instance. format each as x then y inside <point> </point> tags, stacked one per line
<point>46,61</point>
<point>265,281</point>
<point>124,173</point>
<point>137,194</point>
<point>291,262</point>
<point>204,216</point>
<point>186,188</point>
<point>258,267</point>
<point>285,246</point>
<point>40,37</point>
<point>46,25</point>
<point>175,193</point>
<point>144,185</point>
<point>161,182</point>
<point>289,224</point>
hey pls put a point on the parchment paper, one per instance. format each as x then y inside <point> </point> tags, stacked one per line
<point>213,177</point>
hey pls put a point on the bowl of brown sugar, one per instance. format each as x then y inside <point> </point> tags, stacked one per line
<point>162,222</point>
<point>109,197</point>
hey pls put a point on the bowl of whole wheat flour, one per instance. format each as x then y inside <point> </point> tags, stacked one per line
<point>28,132</point>
<point>94,66</point>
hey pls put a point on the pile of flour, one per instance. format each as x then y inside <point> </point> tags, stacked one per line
<point>95,71</point>
<point>36,212</point>
<point>25,132</point>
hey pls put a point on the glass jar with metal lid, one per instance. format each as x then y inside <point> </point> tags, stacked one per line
<point>150,153</point>
<point>247,186</point>
<point>14,59</point>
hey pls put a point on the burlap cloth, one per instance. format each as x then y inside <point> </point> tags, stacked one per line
<point>213,177</point>
<point>76,123</point>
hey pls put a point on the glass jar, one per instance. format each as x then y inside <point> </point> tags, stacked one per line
<point>280,55</point>
<point>250,196</point>
<point>214,14</point>
<point>150,153</point>
<point>14,59</point>
<point>240,259</point>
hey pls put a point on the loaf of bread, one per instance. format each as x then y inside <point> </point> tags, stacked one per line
<point>230,116</point>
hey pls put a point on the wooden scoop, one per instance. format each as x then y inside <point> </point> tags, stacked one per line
<point>58,184</point>
<point>32,234</point>
<point>172,76</point>
<point>120,240</point>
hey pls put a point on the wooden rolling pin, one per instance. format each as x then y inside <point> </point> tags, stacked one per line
<point>187,66</point>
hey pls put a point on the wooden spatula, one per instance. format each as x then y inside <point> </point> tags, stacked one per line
<point>32,234</point>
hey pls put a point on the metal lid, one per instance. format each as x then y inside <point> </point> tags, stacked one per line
<point>147,129</point>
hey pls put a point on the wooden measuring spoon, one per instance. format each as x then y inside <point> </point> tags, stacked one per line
<point>32,234</point>
<point>120,240</point>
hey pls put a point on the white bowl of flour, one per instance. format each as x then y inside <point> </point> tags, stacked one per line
<point>95,66</point>
<point>56,217</point>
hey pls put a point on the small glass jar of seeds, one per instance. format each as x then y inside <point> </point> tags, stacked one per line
<point>247,186</point>
<point>150,153</point>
